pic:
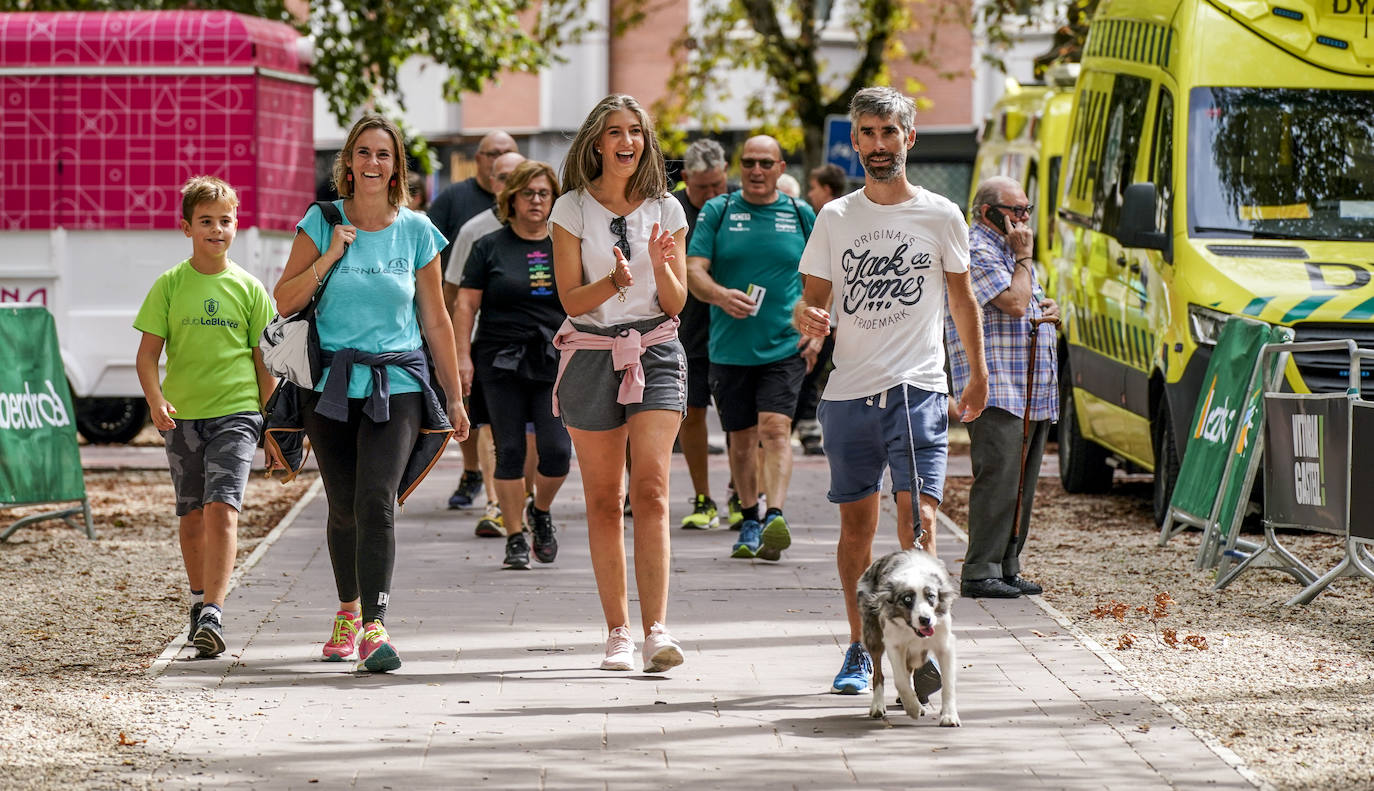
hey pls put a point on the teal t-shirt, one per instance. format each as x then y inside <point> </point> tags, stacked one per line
<point>369,304</point>
<point>210,325</point>
<point>749,244</point>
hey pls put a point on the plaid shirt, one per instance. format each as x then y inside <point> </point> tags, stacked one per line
<point>1006,340</point>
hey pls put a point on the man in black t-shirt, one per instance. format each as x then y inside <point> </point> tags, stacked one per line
<point>455,205</point>
<point>466,199</point>
<point>703,173</point>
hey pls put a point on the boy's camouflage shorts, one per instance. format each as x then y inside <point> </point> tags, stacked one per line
<point>210,459</point>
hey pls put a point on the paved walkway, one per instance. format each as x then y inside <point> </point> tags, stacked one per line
<point>499,688</point>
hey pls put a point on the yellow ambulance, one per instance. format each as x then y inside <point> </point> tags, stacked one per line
<point>1220,162</point>
<point>1023,138</point>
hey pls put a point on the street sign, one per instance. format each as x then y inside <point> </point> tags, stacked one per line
<point>838,149</point>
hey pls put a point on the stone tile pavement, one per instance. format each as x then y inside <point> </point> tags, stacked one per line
<point>499,687</point>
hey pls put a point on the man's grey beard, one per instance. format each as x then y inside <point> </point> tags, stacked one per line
<point>891,173</point>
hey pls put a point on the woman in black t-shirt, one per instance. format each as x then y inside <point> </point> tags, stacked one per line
<point>508,279</point>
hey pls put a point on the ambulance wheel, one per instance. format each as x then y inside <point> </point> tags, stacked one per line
<point>1166,460</point>
<point>110,420</point>
<point>1083,467</point>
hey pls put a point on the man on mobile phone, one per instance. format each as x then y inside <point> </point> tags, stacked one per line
<point>742,260</point>
<point>1002,271</point>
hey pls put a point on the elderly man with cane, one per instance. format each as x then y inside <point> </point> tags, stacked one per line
<point>1008,439</point>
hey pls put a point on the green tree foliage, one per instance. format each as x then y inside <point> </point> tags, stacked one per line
<point>360,45</point>
<point>780,39</point>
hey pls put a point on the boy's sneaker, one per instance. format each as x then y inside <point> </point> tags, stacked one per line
<point>195,619</point>
<point>926,680</point>
<point>856,674</point>
<point>209,637</point>
<point>343,638</point>
<point>517,552</point>
<point>468,488</point>
<point>376,654</point>
<point>704,515</point>
<point>750,538</point>
<point>736,512</point>
<point>661,651</point>
<point>491,524</point>
<point>620,650</point>
<point>542,529</point>
<point>776,537</point>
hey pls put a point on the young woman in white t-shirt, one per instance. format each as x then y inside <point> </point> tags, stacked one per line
<point>617,234</point>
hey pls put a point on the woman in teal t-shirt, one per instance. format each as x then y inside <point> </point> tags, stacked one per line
<point>366,414</point>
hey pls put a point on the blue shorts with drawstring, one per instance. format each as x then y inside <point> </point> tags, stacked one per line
<point>865,436</point>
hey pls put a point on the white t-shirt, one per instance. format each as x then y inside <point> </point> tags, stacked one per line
<point>887,268</point>
<point>472,230</point>
<point>581,215</point>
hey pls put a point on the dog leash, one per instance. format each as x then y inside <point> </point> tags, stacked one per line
<point>915,479</point>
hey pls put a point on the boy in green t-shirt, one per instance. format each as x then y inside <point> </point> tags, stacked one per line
<point>209,313</point>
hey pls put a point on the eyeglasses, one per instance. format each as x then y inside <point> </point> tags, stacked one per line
<point>749,163</point>
<point>1019,211</point>
<point>618,228</point>
<point>543,195</point>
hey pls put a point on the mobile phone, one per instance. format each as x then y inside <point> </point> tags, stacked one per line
<point>997,218</point>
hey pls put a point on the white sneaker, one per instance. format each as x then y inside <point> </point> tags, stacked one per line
<point>661,651</point>
<point>620,650</point>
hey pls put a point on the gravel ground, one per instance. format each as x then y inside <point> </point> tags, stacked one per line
<point>1290,690</point>
<point>77,709</point>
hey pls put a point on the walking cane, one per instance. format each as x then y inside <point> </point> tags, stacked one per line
<point>1025,423</point>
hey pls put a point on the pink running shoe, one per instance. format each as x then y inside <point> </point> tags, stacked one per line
<point>344,638</point>
<point>375,653</point>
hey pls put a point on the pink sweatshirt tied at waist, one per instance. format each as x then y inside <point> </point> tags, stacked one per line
<point>626,349</point>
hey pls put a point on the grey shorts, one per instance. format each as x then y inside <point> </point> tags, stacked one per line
<point>210,459</point>
<point>587,393</point>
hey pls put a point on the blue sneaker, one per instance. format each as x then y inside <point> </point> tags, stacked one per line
<point>776,537</point>
<point>469,486</point>
<point>750,538</point>
<point>856,674</point>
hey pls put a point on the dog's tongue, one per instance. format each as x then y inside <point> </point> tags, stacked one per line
<point>926,631</point>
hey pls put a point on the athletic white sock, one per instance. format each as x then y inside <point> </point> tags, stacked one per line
<point>211,611</point>
<point>197,597</point>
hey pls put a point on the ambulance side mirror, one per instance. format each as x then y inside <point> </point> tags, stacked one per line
<point>1136,225</point>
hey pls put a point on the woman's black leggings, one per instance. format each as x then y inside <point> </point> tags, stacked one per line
<point>511,403</point>
<point>361,463</point>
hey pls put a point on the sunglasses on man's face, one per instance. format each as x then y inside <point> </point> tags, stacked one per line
<point>1019,211</point>
<point>618,228</point>
<point>749,163</point>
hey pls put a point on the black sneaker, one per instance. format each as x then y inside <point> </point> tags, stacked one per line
<point>469,486</point>
<point>990,588</point>
<point>195,618</point>
<point>541,526</point>
<point>209,638</point>
<point>926,680</point>
<point>1024,585</point>
<point>517,552</point>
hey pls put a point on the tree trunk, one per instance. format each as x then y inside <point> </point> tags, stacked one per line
<point>813,143</point>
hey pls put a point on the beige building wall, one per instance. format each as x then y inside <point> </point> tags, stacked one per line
<point>951,97</point>
<point>640,61</point>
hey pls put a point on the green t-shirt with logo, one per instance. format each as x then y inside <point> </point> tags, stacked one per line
<point>753,245</point>
<point>211,325</point>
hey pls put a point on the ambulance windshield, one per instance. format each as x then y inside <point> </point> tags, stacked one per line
<point>1281,163</point>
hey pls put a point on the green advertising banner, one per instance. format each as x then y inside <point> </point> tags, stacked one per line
<point>1225,414</point>
<point>1238,486</point>
<point>40,461</point>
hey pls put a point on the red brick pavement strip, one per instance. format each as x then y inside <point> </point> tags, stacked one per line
<point>499,687</point>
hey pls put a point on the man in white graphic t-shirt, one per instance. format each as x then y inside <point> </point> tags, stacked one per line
<point>887,255</point>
